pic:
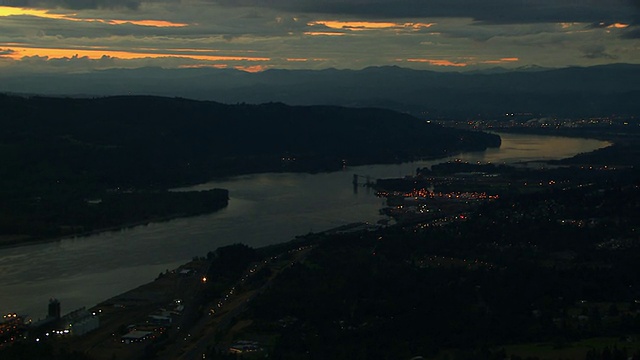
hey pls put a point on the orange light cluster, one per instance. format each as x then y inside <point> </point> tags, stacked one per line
<point>426,194</point>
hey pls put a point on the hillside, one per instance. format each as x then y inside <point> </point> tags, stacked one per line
<point>60,156</point>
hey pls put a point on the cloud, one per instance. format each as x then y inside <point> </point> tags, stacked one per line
<point>461,62</point>
<point>608,25</point>
<point>633,30</point>
<point>73,4</point>
<point>596,52</point>
<point>82,64</point>
<point>438,62</point>
<point>369,25</point>
<point>34,64</point>
<point>95,53</point>
<point>491,11</point>
<point>501,61</point>
<point>202,33</point>
<point>627,30</point>
<point>26,14</point>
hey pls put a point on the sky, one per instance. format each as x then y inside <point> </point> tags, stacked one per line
<point>254,35</point>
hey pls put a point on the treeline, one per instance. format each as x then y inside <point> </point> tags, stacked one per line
<point>71,213</point>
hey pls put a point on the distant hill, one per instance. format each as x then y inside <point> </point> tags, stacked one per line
<point>142,140</point>
<point>573,91</point>
<point>70,166</point>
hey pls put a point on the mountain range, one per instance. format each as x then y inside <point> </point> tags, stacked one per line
<point>574,91</point>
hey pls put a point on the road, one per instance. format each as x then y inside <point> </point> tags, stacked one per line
<point>232,305</point>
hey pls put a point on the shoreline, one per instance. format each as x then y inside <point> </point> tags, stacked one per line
<point>4,244</point>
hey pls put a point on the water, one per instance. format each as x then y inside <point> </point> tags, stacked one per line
<point>264,209</point>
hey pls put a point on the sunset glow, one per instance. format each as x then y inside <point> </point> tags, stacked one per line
<point>441,36</point>
<point>436,62</point>
<point>252,69</point>
<point>11,11</point>
<point>618,26</point>
<point>323,33</point>
<point>367,25</point>
<point>16,11</point>
<point>153,23</point>
<point>501,61</point>
<point>17,53</point>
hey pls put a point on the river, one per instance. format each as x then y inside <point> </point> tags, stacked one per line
<point>263,209</point>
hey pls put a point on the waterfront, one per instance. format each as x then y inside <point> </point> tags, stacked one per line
<point>264,209</point>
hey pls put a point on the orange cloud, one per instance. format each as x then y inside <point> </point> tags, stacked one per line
<point>19,52</point>
<point>368,25</point>
<point>501,61</point>
<point>353,25</point>
<point>11,11</point>
<point>15,11</point>
<point>153,23</point>
<point>252,69</point>
<point>323,33</point>
<point>437,62</point>
<point>418,26</point>
<point>618,26</point>
<point>461,61</point>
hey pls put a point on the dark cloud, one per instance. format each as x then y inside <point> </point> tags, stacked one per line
<point>73,4</point>
<point>491,11</point>
<point>597,52</point>
<point>633,32</point>
<point>6,52</point>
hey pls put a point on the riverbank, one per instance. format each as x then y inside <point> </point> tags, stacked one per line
<point>19,241</point>
<point>57,217</point>
<point>623,148</point>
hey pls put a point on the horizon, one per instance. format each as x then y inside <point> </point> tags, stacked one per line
<point>609,89</point>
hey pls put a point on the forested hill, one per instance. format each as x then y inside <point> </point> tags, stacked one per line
<point>140,141</point>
